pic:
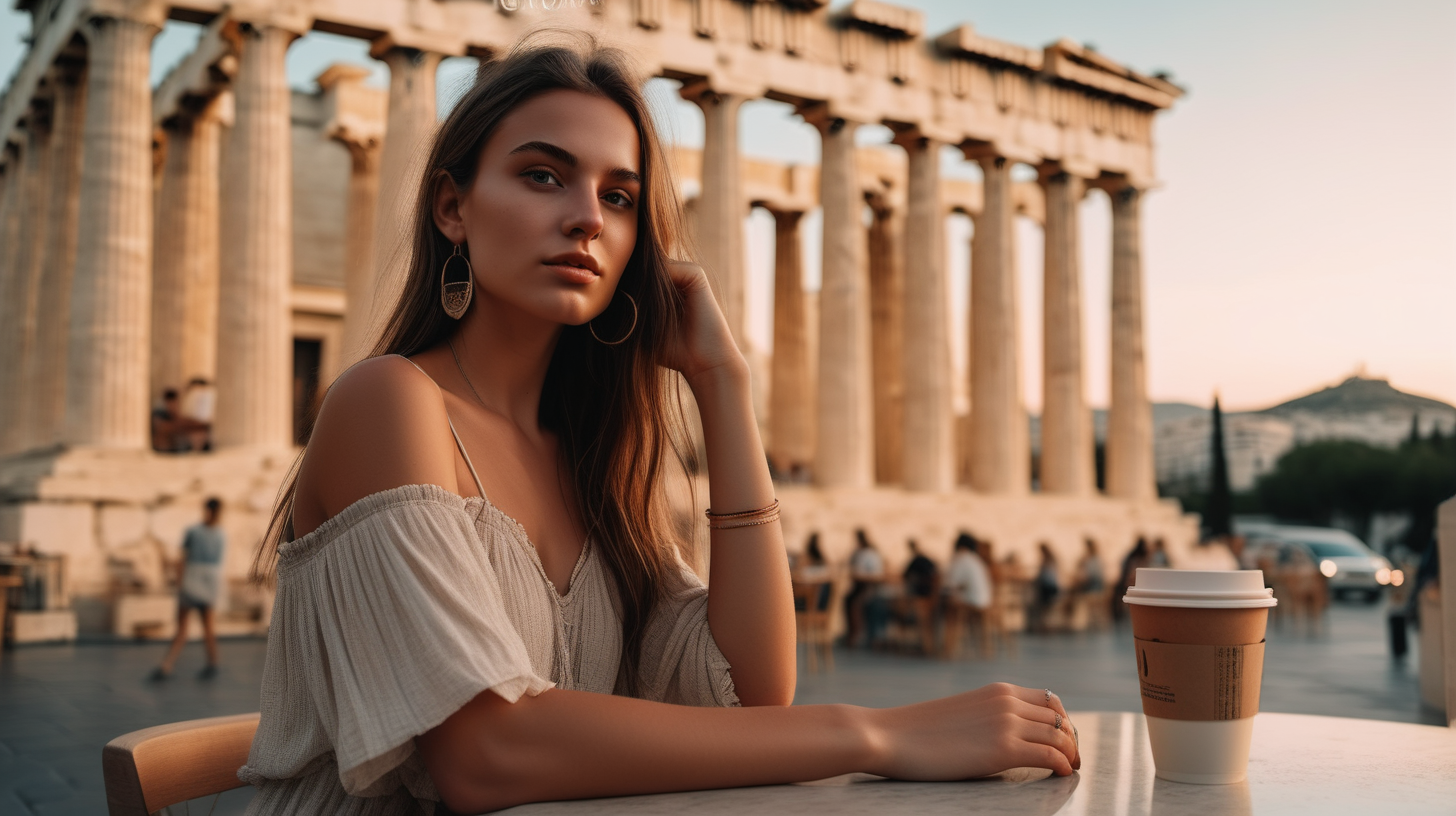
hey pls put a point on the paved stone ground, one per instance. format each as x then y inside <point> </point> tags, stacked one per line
<point>60,704</point>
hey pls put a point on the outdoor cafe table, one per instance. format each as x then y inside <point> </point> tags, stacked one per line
<point>1298,764</point>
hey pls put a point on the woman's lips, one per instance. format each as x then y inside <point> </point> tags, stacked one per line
<point>572,274</point>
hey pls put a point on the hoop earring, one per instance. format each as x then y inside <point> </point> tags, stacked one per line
<point>630,329</point>
<point>455,295</point>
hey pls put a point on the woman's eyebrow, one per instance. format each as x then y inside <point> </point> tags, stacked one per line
<point>569,159</point>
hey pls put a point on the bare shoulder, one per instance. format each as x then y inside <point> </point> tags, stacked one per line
<point>382,425</point>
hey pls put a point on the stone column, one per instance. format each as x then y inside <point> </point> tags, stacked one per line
<point>887,321</point>
<point>1130,472</point>
<point>185,274</point>
<point>24,278</point>
<point>791,414</point>
<point>721,205</point>
<point>340,83</point>
<point>1067,445</point>
<point>29,263</point>
<point>999,446</point>
<point>107,351</point>
<point>46,377</point>
<point>929,434</point>
<point>360,212</point>
<point>844,452</point>
<point>254,348</point>
<point>410,124</point>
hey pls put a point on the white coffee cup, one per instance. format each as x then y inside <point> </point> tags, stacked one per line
<point>1205,632</point>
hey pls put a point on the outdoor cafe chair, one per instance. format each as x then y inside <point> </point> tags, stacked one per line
<point>164,765</point>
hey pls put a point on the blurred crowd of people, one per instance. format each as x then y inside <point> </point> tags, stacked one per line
<point>931,607</point>
<point>182,421</point>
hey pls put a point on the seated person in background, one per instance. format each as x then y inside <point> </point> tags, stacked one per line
<point>1048,586</point>
<point>922,585</point>
<point>867,570</point>
<point>167,424</point>
<point>969,591</point>
<point>969,582</point>
<point>1090,576</point>
<point>812,568</point>
<point>197,406</point>
<point>1159,556</point>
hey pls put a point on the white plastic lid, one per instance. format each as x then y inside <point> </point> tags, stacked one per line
<point>1200,589</point>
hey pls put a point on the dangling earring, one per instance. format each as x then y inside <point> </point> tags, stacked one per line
<point>455,295</point>
<point>629,328</point>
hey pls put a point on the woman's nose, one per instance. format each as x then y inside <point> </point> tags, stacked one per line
<point>585,215</point>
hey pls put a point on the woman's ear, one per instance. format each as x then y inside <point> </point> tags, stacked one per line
<point>446,209</point>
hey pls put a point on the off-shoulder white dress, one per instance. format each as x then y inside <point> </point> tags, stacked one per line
<point>400,609</point>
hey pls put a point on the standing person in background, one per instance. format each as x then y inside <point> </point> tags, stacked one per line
<point>199,576</point>
<point>867,571</point>
<point>922,587</point>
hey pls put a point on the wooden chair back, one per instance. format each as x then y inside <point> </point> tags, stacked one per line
<point>155,767</point>
<point>814,624</point>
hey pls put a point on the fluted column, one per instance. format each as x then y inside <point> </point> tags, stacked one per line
<point>360,212</point>
<point>999,445</point>
<point>106,353</point>
<point>45,378</point>
<point>791,414</point>
<point>410,125</point>
<point>1130,417</point>
<point>929,434</point>
<point>887,335</point>
<point>22,295</point>
<point>254,349</point>
<point>844,450</point>
<point>721,203</point>
<point>185,277</point>
<point>1067,445</point>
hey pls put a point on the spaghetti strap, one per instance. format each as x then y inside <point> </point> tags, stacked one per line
<point>459,444</point>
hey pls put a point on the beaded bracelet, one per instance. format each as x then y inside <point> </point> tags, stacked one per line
<point>748,518</point>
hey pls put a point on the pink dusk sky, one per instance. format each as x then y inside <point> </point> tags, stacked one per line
<point>1306,223</point>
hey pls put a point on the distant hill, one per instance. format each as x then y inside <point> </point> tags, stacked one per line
<point>1359,395</point>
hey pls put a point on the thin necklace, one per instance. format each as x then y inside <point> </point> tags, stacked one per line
<point>456,355</point>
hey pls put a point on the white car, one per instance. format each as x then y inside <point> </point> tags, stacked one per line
<point>1349,565</point>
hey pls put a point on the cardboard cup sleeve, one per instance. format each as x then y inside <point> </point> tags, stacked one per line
<point>1195,682</point>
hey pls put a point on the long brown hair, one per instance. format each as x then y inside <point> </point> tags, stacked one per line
<point>615,410</point>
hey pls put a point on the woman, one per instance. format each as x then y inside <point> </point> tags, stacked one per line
<point>482,605</point>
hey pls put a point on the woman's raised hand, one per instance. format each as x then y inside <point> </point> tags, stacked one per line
<point>706,343</point>
<point>978,733</point>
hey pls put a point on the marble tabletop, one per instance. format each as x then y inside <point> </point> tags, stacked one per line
<point>1298,764</point>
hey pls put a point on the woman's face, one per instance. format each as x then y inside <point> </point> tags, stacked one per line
<point>551,217</point>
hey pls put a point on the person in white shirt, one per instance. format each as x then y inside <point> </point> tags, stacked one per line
<point>867,569</point>
<point>969,592</point>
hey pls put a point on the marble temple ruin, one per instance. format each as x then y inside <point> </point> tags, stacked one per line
<point>220,224</point>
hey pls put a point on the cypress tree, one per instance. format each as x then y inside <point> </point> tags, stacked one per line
<point>1218,511</point>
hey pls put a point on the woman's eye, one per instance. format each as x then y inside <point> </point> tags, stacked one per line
<point>622,199</point>
<point>541,176</point>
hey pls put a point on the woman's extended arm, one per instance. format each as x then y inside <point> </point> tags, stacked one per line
<point>571,745</point>
<point>750,597</point>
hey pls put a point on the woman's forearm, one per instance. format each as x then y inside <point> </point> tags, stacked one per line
<point>750,600</point>
<point>574,745</point>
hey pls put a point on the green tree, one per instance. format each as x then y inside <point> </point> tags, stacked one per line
<point>1218,511</point>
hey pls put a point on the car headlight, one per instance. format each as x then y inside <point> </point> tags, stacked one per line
<point>1397,577</point>
<point>1382,576</point>
<point>1328,568</point>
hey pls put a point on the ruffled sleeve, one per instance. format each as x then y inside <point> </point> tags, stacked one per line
<point>388,619</point>
<point>681,663</point>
